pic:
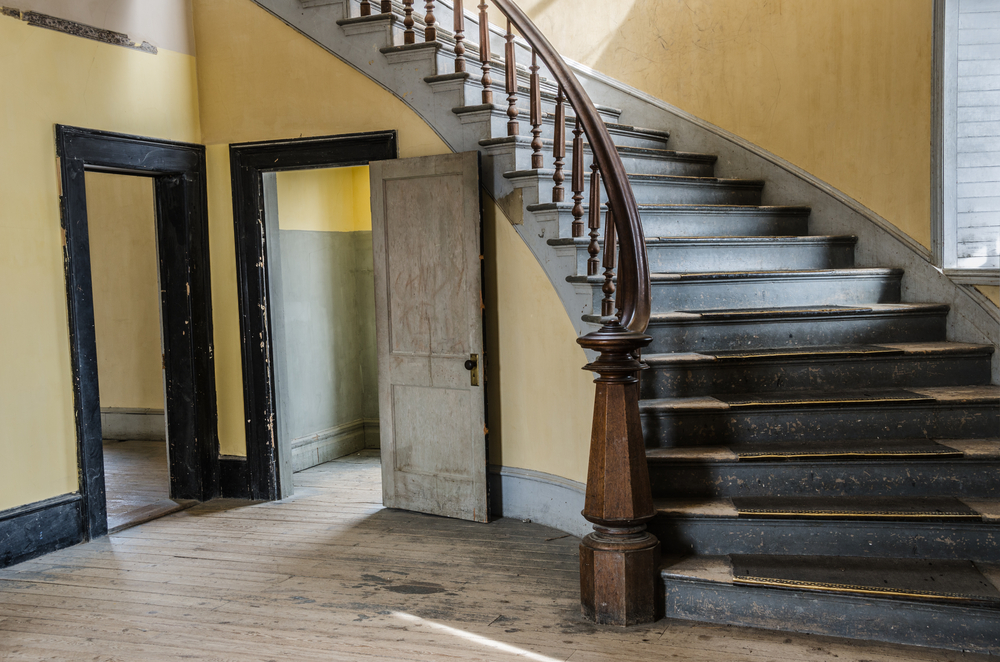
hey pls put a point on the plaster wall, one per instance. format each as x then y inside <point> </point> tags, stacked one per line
<point>47,78</point>
<point>123,265</point>
<point>840,88</point>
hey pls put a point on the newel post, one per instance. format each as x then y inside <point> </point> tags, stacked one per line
<point>619,560</point>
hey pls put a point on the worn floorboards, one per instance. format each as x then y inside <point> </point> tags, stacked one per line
<point>331,575</point>
<point>137,483</point>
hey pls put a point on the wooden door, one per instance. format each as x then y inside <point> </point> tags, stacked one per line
<point>426,226</point>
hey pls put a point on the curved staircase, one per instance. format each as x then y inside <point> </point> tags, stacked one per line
<point>822,458</point>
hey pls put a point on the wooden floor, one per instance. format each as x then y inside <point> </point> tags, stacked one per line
<point>330,575</point>
<point>137,483</point>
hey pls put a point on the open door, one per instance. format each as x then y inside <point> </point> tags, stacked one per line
<point>426,226</point>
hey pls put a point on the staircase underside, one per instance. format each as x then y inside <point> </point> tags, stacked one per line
<point>823,458</point>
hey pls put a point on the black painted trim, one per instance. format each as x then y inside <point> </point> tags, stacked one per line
<point>178,170</point>
<point>41,527</point>
<point>233,480</point>
<point>247,163</point>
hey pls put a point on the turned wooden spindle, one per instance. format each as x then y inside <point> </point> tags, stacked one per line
<point>510,78</point>
<point>484,51</point>
<point>430,31</point>
<point>559,148</point>
<point>594,219</point>
<point>610,248</point>
<point>366,8</point>
<point>386,7</point>
<point>409,36</point>
<point>577,179</point>
<point>535,106</point>
<point>459,37</point>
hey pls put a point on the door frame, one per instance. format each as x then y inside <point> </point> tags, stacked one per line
<point>181,211</point>
<point>267,474</point>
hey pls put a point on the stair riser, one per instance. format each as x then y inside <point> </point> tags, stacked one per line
<point>706,335</point>
<point>914,477</point>
<point>696,258</point>
<point>974,541</point>
<point>497,120</point>
<point>856,617</point>
<point>874,421</point>
<point>656,223</point>
<point>760,376</point>
<point>634,163</point>
<point>694,295</point>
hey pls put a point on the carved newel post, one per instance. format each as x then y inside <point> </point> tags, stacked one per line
<point>620,559</point>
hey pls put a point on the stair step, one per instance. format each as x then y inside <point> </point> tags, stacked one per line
<point>873,527</point>
<point>785,369</point>
<point>643,160</point>
<point>654,189</point>
<point>795,326</point>
<point>871,467</point>
<point>729,293</point>
<point>885,600</point>
<point>689,220</point>
<point>495,117</point>
<point>931,412</point>
<point>702,254</point>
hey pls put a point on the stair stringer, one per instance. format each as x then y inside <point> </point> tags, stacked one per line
<point>317,20</point>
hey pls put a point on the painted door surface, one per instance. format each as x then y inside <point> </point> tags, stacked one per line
<point>429,326</point>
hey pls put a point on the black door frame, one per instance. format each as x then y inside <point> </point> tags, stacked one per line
<point>248,162</point>
<point>178,172</point>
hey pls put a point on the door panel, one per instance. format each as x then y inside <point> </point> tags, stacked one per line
<point>428,304</point>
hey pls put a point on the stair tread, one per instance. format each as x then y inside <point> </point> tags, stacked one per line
<point>985,393</point>
<point>833,508</point>
<point>953,581</point>
<point>825,352</point>
<point>724,240</point>
<point>687,208</point>
<point>808,451</point>
<point>750,314</point>
<point>790,274</point>
<point>633,176</point>
<point>622,149</point>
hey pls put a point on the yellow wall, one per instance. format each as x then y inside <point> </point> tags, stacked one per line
<point>48,78</point>
<point>122,228</point>
<point>992,292</point>
<point>841,88</point>
<point>325,200</point>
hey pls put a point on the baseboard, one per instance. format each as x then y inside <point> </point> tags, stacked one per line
<point>125,423</point>
<point>234,478</point>
<point>41,527</point>
<point>540,497</point>
<point>328,444</point>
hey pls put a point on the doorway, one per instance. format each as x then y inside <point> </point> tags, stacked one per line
<point>255,169</point>
<point>322,309</point>
<point>176,172</point>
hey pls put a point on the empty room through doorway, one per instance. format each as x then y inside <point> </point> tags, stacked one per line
<point>322,303</point>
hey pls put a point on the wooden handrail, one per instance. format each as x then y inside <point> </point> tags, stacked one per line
<point>633,275</point>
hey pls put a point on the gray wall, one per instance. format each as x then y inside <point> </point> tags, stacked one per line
<point>328,390</point>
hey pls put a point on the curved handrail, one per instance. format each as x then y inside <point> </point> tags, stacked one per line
<point>633,273</point>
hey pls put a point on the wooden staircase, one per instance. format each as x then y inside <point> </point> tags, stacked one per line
<point>821,457</point>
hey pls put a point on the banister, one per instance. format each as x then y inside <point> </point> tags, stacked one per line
<point>633,273</point>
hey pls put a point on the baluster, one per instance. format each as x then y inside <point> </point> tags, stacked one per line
<point>484,51</point>
<point>366,8</point>
<point>577,179</point>
<point>430,31</point>
<point>559,149</point>
<point>594,221</point>
<point>610,248</point>
<point>409,36</point>
<point>510,69</point>
<point>459,37</point>
<point>386,7</point>
<point>535,107</point>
